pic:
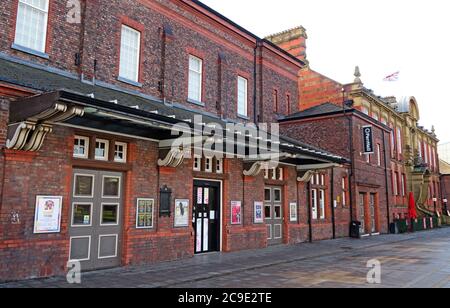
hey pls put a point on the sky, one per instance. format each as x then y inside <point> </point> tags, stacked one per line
<point>381,37</point>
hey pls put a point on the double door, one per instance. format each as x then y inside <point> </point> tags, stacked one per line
<point>206,216</point>
<point>367,213</point>
<point>96,219</point>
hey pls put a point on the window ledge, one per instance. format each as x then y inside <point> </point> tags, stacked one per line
<point>131,82</point>
<point>243,117</point>
<point>195,102</point>
<point>30,51</point>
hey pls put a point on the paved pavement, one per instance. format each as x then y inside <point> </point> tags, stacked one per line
<point>411,260</point>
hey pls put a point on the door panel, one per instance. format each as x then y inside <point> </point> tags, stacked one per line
<point>274,215</point>
<point>96,218</point>
<point>362,212</point>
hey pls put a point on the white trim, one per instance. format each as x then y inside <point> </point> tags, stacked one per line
<point>86,148</point>
<point>245,102</point>
<point>125,152</point>
<point>281,231</point>
<point>46,12</point>
<point>153,213</point>
<point>89,246</point>
<point>72,225</point>
<point>200,73</point>
<point>210,168</point>
<point>116,248</point>
<point>221,207</point>
<point>267,205</point>
<point>106,132</point>
<point>275,213</point>
<point>75,183</point>
<point>105,157</point>
<point>119,188</point>
<point>197,159</point>
<point>138,53</point>
<point>101,214</point>
<point>219,166</point>
<point>271,232</point>
<point>281,195</point>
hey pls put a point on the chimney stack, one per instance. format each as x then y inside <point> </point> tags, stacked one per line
<point>293,41</point>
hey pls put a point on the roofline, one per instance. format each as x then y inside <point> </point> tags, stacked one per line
<point>257,39</point>
<point>340,112</point>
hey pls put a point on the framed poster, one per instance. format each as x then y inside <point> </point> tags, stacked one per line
<point>259,218</point>
<point>144,213</point>
<point>181,213</point>
<point>293,212</point>
<point>47,216</point>
<point>236,212</point>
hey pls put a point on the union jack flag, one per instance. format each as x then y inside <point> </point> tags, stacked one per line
<point>392,77</point>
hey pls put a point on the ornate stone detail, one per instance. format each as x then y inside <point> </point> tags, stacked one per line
<point>20,136</point>
<point>174,158</point>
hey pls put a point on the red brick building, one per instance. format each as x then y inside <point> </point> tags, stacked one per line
<point>403,161</point>
<point>87,110</point>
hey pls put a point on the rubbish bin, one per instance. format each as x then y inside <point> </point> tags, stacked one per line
<point>355,227</point>
<point>393,228</point>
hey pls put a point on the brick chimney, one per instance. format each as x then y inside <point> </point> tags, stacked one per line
<point>293,41</point>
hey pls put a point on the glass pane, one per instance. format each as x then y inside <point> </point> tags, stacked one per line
<point>100,149</point>
<point>268,211</point>
<point>111,186</point>
<point>84,185</point>
<point>267,195</point>
<point>277,195</point>
<point>277,211</point>
<point>81,214</point>
<point>110,214</point>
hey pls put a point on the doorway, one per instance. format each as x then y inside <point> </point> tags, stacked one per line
<point>95,224</point>
<point>207,216</point>
<point>273,205</point>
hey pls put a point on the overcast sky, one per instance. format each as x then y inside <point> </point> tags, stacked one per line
<point>382,37</point>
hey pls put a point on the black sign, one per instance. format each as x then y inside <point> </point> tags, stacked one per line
<point>368,140</point>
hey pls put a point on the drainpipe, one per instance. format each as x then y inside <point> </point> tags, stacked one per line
<point>308,196</point>
<point>333,214</point>
<point>255,110</point>
<point>386,183</point>
<point>352,161</point>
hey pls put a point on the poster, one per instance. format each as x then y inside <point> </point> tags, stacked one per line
<point>236,212</point>
<point>144,213</point>
<point>259,218</point>
<point>181,213</point>
<point>206,197</point>
<point>47,218</point>
<point>199,195</point>
<point>293,212</point>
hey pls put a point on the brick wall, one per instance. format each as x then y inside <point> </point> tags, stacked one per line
<point>331,133</point>
<point>316,89</point>
<point>47,172</point>
<point>226,54</point>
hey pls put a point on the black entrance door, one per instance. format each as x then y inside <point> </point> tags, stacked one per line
<point>206,216</point>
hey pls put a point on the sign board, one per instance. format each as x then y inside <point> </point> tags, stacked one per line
<point>47,218</point>
<point>368,139</point>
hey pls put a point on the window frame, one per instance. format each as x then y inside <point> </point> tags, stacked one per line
<point>241,78</point>
<point>123,78</point>
<point>28,49</point>
<point>125,152</point>
<point>200,73</point>
<point>106,156</point>
<point>87,141</point>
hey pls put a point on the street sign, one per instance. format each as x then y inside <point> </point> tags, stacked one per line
<point>368,140</point>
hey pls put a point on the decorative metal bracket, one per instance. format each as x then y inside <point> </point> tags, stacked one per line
<point>306,177</point>
<point>259,166</point>
<point>30,136</point>
<point>174,158</point>
<point>20,136</point>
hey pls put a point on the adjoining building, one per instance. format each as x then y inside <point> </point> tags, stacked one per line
<point>444,152</point>
<point>87,111</point>
<point>408,153</point>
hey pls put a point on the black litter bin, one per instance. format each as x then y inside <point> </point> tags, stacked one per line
<point>355,228</point>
